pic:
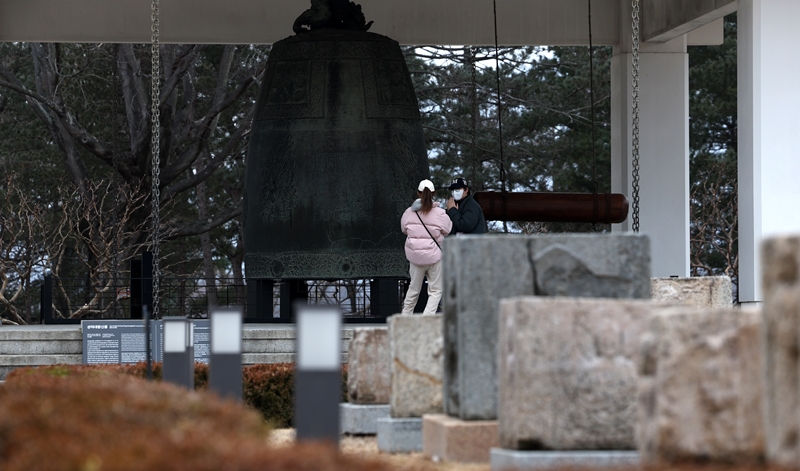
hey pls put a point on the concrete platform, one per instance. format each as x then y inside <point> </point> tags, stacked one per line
<point>509,460</point>
<point>42,345</point>
<point>400,435</point>
<point>462,441</point>
<point>362,419</point>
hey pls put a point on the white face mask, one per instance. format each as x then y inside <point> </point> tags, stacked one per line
<point>458,194</point>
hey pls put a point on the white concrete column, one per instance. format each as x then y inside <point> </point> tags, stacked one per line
<point>663,148</point>
<point>769,131</point>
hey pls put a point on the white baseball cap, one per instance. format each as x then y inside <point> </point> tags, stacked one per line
<point>426,184</point>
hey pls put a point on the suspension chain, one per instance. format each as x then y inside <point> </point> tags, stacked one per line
<point>499,103</point>
<point>115,223</point>
<point>635,114</point>
<point>155,146</point>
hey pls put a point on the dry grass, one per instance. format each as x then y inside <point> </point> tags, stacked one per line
<point>367,447</point>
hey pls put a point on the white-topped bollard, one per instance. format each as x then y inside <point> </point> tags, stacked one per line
<point>225,362</point>
<point>178,367</point>
<point>318,381</point>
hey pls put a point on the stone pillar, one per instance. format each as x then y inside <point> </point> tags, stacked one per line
<point>368,381</point>
<point>369,369</point>
<point>415,350</point>
<point>480,270</point>
<point>567,372</point>
<point>663,144</point>
<point>769,64</point>
<point>781,344</point>
<point>699,387</point>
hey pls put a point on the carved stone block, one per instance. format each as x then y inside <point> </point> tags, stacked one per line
<point>780,262</point>
<point>700,386</point>
<point>480,270</point>
<point>567,373</point>
<point>698,291</point>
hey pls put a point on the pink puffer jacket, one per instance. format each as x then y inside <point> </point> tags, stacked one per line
<point>420,248</point>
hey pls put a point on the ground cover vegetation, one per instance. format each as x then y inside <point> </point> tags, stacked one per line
<point>96,418</point>
<point>75,151</point>
<point>266,388</point>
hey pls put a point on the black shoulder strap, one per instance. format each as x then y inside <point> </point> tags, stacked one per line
<point>426,229</point>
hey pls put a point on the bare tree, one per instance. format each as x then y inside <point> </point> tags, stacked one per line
<point>100,240</point>
<point>29,234</point>
<point>94,102</point>
<point>714,236</point>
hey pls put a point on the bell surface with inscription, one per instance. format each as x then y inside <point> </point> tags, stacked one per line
<point>336,151</point>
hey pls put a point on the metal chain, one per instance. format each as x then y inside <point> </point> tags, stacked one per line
<point>115,222</point>
<point>499,103</point>
<point>155,146</point>
<point>591,107</point>
<point>635,114</point>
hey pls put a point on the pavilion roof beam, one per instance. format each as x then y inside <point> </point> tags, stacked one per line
<point>521,22</point>
<point>664,20</point>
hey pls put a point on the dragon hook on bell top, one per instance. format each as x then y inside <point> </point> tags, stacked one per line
<point>339,14</point>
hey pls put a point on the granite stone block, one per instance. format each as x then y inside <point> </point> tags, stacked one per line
<point>698,291</point>
<point>400,435</point>
<point>699,387</point>
<point>361,419</point>
<point>567,373</point>
<point>446,438</point>
<point>780,265</point>
<point>369,372</point>
<point>415,348</point>
<point>480,270</point>
<point>515,460</point>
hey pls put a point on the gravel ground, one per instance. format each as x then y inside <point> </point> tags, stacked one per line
<point>367,446</point>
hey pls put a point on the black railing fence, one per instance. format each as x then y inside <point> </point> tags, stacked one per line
<point>70,300</point>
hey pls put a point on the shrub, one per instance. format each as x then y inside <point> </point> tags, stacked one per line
<point>269,388</point>
<point>92,418</point>
<point>140,370</point>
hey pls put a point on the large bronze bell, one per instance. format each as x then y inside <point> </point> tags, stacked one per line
<point>336,152</point>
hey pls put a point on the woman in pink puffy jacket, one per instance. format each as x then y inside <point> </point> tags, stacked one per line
<point>425,224</point>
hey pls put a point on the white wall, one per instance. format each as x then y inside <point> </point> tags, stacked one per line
<point>769,131</point>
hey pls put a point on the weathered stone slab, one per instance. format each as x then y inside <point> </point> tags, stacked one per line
<point>698,291</point>
<point>567,373</point>
<point>480,270</point>
<point>700,386</point>
<point>446,438</point>
<point>780,265</point>
<point>415,348</point>
<point>369,374</point>
<point>515,460</point>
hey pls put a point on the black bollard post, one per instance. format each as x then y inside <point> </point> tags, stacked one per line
<point>225,364</point>
<point>178,367</point>
<point>318,379</point>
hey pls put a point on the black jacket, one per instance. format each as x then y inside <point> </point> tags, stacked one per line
<point>468,217</point>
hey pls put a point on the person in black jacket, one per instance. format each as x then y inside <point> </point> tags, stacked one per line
<point>464,211</point>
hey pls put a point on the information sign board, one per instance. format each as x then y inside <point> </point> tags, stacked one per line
<point>123,341</point>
